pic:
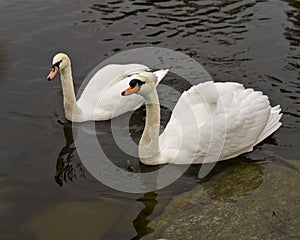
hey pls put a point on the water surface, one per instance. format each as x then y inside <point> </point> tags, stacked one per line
<point>45,191</point>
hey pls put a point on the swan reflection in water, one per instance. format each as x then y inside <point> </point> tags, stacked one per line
<point>67,167</point>
<point>141,222</point>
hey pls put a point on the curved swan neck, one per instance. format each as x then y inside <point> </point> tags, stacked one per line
<point>149,144</point>
<point>68,92</point>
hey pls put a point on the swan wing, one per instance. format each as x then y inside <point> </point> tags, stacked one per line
<point>187,134</point>
<point>213,121</point>
<point>248,117</point>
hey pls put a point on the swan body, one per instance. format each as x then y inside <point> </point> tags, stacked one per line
<point>100,100</point>
<point>210,122</point>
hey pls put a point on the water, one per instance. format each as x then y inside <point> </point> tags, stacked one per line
<point>45,192</point>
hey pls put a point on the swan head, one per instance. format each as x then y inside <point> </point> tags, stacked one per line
<point>143,84</point>
<point>59,62</point>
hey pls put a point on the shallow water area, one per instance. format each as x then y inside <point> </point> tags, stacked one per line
<point>45,191</point>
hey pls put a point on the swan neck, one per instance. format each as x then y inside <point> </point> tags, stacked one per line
<point>70,104</point>
<point>149,144</point>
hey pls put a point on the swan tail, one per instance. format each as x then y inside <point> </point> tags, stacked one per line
<point>160,74</point>
<point>272,125</point>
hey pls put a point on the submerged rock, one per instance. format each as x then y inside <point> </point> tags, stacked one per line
<point>244,201</point>
<point>101,219</point>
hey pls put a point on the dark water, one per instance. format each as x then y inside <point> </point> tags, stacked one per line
<point>45,192</point>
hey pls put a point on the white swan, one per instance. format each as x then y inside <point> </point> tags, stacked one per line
<point>100,99</point>
<point>221,114</point>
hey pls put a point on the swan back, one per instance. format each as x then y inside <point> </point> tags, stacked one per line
<point>101,98</point>
<point>212,115</point>
<point>104,78</point>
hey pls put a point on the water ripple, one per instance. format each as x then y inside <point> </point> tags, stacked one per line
<point>172,19</point>
<point>293,31</point>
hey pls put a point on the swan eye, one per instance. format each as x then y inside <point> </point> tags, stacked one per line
<point>56,64</point>
<point>135,82</point>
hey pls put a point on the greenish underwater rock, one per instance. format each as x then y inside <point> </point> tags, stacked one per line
<point>244,201</point>
<point>82,220</point>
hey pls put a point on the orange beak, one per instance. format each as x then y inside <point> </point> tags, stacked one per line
<point>53,72</point>
<point>130,90</point>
